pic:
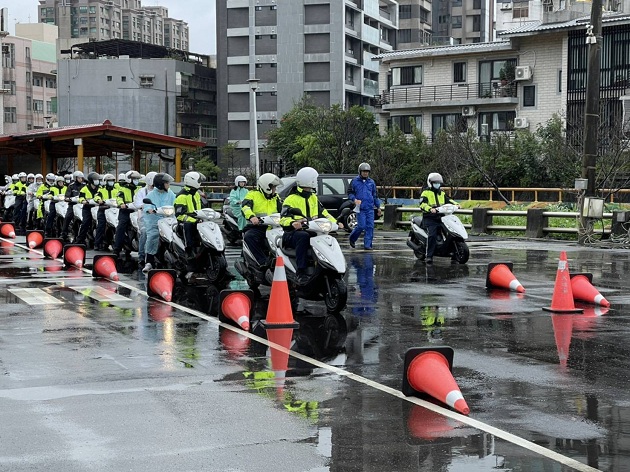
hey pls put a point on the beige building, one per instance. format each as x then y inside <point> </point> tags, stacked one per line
<point>80,21</point>
<point>29,78</point>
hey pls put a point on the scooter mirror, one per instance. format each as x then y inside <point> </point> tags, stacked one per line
<point>147,201</point>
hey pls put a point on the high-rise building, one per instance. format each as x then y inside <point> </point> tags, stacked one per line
<point>95,20</point>
<point>292,48</point>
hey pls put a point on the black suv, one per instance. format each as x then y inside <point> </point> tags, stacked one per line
<point>332,192</point>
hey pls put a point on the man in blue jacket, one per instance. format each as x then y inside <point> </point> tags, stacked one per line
<point>362,192</point>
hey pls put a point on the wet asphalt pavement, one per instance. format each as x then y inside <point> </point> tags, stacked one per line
<point>96,376</point>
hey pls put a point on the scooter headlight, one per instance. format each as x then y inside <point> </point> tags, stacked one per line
<point>325,226</point>
<point>168,210</point>
<point>275,219</point>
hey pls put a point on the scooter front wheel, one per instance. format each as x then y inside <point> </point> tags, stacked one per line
<point>461,252</point>
<point>217,268</point>
<point>337,296</point>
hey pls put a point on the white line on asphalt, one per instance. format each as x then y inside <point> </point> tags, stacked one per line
<point>100,294</point>
<point>35,296</point>
<point>512,438</point>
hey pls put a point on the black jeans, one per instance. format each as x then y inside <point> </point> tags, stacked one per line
<point>86,224</point>
<point>255,239</point>
<point>301,241</point>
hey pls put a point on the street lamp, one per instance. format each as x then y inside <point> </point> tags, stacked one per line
<point>253,140</point>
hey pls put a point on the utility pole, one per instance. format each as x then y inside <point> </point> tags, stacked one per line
<point>591,118</point>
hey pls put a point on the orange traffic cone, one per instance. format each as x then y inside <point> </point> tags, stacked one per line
<point>234,343</point>
<point>583,290</point>
<point>74,254</point>
<point>34,239</point>
<point>500,276</point>
<point>7,230</point>
<point>279,311</point>
<point>105,266</point>
<point>562,300</point>
<point>280,358</point>
<point>428,370</point>
<point>562,332</point>
<point>160,283</point>
<point>235,306</point>
<point>52,248</point>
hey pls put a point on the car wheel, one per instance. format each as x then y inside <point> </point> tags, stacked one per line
<point>351,222</point>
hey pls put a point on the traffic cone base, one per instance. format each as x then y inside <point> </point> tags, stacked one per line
<point>34,239</point>
<point>235,306</point>
<point>7,230</point>
<point>562,300</point>
<point>583,290</point>
<point>160,283</point>
<point>53,247</point>
<point>428,371</point>
<point>500,275</point>
<point>105,266</point>
<point>279,311</point>
<point>74,255</point>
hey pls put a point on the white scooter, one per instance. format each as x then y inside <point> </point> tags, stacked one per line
<point>130,242</point>
<point>230,224</point>
<point>451,237</point>
<point>326,267</point>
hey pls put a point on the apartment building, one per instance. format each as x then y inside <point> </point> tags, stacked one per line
<point>29,79</point>
<point>294,47</point>
<point>537,71</point>
<point>95,20</point>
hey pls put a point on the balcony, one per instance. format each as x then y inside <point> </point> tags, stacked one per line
<point>461,94</point>
<point>370,87</point>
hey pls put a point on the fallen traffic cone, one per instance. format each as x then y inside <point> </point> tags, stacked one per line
<point>52,248</point>
<point>235,306</point>
<point>562,332</point>
<point>583,290</point>
<point>7,230</point>
<point>500,276</point>
<point>280,358</point>
<point>234,343</point>
<point>562,300</point>
<point>105,266</point>
<point>160,283</point>
<point>279,311</point>
<point>74,255</point>
<point>428,370</point>
<point>34,238</point>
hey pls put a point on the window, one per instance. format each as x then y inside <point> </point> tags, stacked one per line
<point>83,9</point>
<point>9,86</point>
<point>476,19</point>
<point>405,12</point>
<point>424,15</point>
<point>29,103</point>
<point>51,83</point>
<point>49,107</point>
<point>457,21</point>
<point>497,121</point>
<point>451,121</point>
<point>37,80</point>
<point>520,9</point>
<point>456,3</point>
<point>109,78</point>
<point>459,72</point>
<point>38,106</point>
<point>146,81</point>
<point>529,96</point>
<point>404,36</point>
<point>476,4</point>
<point>560,81</point>
<point>10,115</point>
<point>8,55</point>
<point>407,75</point>
<point>27,52</point>
<point>123,78</point>
<point>407,123</point>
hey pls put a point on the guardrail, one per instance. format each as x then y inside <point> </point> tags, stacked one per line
<point>537,220</point>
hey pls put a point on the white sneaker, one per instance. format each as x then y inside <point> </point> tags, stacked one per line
<point>147,267</point>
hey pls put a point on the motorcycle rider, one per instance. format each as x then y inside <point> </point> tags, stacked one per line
<point>188,200</point>
<point>146,186</point>
<point>19,210</point>
<point>236,199</point>
<point>260,202</point>
<point>72,197</point>
<point>31,191</point>
<point>362,192</point>
<point>126,193</point>
<point>107,192</point>
<point>53,194</point>
<point>41,191</point>
<point>88,192</point>
<point>161,195</point>
<point>431,198</point>
<point>302,198</point>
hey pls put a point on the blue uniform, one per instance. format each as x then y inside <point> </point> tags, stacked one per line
<point>364,190</point>
<point>159,198</point>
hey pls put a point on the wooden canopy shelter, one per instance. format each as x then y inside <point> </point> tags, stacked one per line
<point>96,140</point>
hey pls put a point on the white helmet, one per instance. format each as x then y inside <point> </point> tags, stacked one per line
<point>133,175</point>
<point>67,178</point>
<point>39,176</point>
<point>266,182</point>
<point>109,177</point>
<point>307,177</point>
<point>239,178</point>
<point>31,176</point>
<point>148,179</point>
<point>434,177</point>
<point>50,178</point>
<point>15,177</point>
<point>122,177</point>
<point>60,178</point>
<point>192,179</point>
<point>78,173</point>
<point>364,166</point>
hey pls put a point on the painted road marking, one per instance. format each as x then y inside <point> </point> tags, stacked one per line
<point>100,294</point>
<point>35,296</point>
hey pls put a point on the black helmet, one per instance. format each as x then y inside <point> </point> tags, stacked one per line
<point>160,179</point>
<point>92,177</point>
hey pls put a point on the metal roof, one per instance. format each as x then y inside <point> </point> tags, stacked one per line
<point>539,26</point>
<point>445,50</point>
<point>133,49</point>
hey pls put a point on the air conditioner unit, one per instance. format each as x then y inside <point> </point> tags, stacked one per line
<point>522,73</point>
<point>506,6</point>
<point>468,111</point>
<point>521,123</point>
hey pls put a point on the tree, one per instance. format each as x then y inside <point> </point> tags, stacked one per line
<point>202,163</point>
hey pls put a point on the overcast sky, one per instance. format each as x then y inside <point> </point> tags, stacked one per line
<point>199,14</point>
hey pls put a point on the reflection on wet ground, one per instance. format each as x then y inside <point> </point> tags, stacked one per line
<point>557,380</point>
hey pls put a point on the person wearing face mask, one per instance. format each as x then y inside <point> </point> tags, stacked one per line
<point>138,201</point>
<point>431,198</point>
<point>126,193</point>
<point>302,198</point>
<point>73,189</point>
<point>107,192</point>
<point>362,192</point>
<point>187,202</point>
<point>87,196</point>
